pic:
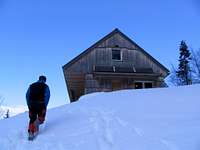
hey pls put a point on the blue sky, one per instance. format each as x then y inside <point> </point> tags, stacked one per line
<point>40,36</point>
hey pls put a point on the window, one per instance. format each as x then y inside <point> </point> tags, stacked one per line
<point>143,84</point>
<point>138,85</point>
<point>105,84</point>
<point>148,85</point>
<point>116,55</point>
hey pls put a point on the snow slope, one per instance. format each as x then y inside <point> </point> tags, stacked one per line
<point>151,119</point>
<point>12,110</point>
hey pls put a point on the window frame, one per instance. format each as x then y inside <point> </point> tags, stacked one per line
<point>120,52</point>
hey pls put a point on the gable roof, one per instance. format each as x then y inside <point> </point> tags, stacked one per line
<point>115,31</point>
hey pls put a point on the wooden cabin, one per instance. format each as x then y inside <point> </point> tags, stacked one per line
<point>113,63</point>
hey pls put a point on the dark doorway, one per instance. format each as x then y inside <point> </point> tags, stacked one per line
<point>72,95</point>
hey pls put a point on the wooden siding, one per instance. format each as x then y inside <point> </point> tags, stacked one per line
<point>117,40</point>
<point>103,57</point>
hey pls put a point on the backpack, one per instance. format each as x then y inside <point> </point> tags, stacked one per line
<point>37,91</point>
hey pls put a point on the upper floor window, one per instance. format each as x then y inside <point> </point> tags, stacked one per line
<point>116,55</point>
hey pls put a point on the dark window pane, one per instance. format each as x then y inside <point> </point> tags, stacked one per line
<point>104,68</point>
<point>138,85</point>
<point>144,70</point>
<point>124,69</point>
<point>116,54</point>
<point>148,85</point>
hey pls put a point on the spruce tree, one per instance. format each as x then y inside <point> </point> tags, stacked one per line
<point>184,72</point>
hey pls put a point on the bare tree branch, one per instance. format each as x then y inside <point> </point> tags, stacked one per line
<point>196,66</point>
<point>173,79</point>
<point>1,110</point>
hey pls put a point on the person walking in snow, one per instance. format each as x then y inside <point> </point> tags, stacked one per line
<point>37,98</point>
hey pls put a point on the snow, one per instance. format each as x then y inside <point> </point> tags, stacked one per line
<point>13,110</point>
<point>148,119</point>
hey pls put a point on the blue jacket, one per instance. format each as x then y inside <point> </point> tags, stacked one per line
<point>46,96</point>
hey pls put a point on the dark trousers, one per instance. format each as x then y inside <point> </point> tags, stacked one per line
<point>37,111</point>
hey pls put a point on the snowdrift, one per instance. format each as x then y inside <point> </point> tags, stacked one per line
<point>148,119</point>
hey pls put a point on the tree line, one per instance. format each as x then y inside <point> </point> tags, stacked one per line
<point>188,70</point>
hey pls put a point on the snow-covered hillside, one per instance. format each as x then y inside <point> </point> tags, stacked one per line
<point>11,110</point>
<point>152,119</point>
